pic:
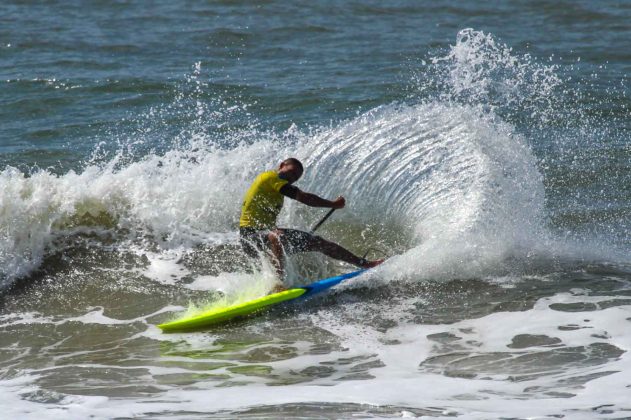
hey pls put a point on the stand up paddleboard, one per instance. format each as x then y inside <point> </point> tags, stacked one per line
<point>216,316</point>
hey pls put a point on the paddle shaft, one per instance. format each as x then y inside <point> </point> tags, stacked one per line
<point>326,216</point>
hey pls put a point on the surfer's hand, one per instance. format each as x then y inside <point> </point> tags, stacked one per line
<point>338,203</point>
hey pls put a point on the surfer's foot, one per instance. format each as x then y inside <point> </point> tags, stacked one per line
<point>278,288</point>
<point>370,264</point>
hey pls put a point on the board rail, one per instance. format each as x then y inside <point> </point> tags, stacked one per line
<point>240,310</point>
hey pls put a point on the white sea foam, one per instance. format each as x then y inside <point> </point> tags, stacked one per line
<point>465,186</point>
<point>403,380</point>
<point>443,173</point>
<point>177,200</point>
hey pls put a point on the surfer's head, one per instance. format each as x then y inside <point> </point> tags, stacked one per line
<point>290,170</point>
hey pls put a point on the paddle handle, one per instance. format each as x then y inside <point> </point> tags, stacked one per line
<point>326,216</point>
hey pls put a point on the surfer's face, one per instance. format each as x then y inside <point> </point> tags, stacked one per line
<point>289,172</point>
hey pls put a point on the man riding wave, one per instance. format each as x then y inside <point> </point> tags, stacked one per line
<point>262,204</point>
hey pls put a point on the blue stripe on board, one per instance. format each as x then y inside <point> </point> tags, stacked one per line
<point>324,284</point>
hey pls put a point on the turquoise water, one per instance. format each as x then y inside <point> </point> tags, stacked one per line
<point>483,147</point>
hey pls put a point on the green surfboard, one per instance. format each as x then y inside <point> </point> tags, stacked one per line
<point>218,315</point>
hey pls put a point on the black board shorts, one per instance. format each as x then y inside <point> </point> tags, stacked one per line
<point>293,241</point>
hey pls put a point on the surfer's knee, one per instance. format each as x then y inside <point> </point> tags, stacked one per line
<point>274,238</point>
<point>276,251</point>
<point>273,235</point>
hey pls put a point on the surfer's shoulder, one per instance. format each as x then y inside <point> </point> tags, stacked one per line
<point>267,175</point>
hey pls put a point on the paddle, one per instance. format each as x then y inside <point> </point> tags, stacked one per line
<point>326,216</point>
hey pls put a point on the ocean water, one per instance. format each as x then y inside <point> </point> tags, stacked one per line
<point>483,147</point>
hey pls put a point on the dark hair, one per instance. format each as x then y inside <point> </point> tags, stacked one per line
<point>295,162</point>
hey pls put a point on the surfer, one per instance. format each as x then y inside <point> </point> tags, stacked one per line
<point>262,204</point>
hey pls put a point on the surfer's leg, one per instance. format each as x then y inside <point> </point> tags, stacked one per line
<point>333,250</point>
<point>278,255</point>
<point>259,243</point>
<point>249,242</point>
<point>294,241</point>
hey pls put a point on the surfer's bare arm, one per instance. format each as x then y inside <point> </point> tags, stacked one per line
<point>311,200</point>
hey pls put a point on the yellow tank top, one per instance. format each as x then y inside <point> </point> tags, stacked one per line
<point>262,202</point>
